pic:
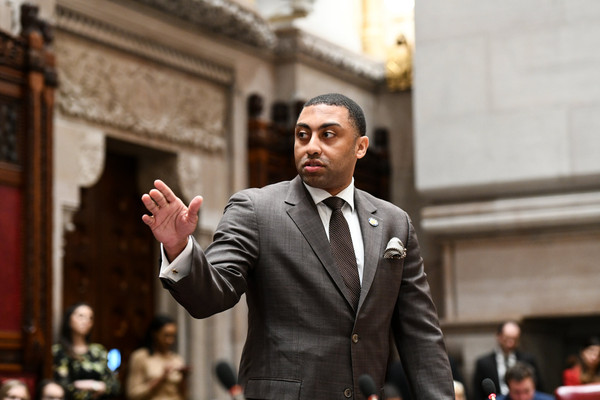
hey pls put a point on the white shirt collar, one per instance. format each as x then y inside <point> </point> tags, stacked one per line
<point>318,195</point>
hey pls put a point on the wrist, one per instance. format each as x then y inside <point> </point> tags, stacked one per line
<point>173,250</point>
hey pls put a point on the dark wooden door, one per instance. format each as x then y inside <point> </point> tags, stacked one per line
<point>110,259</point>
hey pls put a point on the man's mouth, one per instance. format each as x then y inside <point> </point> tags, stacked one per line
<point>313,165</point>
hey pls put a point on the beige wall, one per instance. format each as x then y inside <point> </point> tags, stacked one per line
<point>517,276</point>
<point>506,95</point>
<point>505,106</point>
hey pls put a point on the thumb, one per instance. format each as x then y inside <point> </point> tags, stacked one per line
<point>194,206</point>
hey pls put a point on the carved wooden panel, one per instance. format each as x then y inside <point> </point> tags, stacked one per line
<point>10,112</point>
<point>12,257</point>
<point>109,258</point>
<point>12,84</point>
<point>27,82</point>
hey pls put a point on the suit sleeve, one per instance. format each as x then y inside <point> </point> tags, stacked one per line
<point>217,277</point>
<point>417,333</point>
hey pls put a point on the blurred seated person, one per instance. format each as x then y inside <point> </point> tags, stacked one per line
<point>14,389</point>
<point>50,390</point>
<point>155,370</point>
<point>80,366</point>
<point>459,391</point>
<point>494,364</point>
<point>520,379</point>
<point>586,368</point>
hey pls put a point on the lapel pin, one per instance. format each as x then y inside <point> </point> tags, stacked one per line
<point>373,221</point>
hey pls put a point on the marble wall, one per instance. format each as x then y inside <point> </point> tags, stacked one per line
<point>506,99</point>
<point>506,95</point>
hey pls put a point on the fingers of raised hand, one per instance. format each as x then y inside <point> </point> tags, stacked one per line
<point>149,203</point>
<point>165,191</point>
<point>150,206</point>
<point>159,198</point>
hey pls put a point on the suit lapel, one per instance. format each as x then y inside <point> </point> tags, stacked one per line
<point>372,233</point>
<point>303,212</point>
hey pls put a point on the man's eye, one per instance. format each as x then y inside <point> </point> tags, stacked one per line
<point>301,134</point>
<point>328,134</point>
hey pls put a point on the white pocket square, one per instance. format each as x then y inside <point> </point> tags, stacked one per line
<point>394,249</point>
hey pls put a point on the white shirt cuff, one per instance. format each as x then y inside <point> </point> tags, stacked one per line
<point>180,267</point>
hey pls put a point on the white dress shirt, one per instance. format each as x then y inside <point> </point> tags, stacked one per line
<point>180,266</point>
<point>502,365</point>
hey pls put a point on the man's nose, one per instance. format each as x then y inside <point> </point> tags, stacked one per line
<point>314,145</point>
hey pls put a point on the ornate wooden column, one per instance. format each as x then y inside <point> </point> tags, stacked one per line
<point>27,82</point>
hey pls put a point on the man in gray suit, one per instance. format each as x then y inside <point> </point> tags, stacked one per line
<point>308,337</point>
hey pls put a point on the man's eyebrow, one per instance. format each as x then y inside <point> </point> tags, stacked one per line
<point>323,125</point>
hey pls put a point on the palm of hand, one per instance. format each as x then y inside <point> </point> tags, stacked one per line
<point>171,221</point>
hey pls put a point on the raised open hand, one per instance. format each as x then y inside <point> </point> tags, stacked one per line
<point>171,221</point>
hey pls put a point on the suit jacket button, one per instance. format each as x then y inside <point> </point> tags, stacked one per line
<point>348,393</point>
<point>355,338</point>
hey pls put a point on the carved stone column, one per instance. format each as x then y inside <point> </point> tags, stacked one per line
<point>78,162</point>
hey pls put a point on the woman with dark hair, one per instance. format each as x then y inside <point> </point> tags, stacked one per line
<point>586,368</point>
<point>80,366</point>
<point>155,370</point>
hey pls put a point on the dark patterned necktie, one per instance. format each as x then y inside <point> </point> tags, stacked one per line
<point>342,248</point>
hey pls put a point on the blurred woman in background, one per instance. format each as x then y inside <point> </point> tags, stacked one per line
<point>80,367</point>
<point>586,368</point>
<point>155,370</point>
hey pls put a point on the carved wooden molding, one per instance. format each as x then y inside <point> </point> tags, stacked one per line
<point>11,51</point>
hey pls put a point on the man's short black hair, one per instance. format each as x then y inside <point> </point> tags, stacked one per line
<point>357,116</point>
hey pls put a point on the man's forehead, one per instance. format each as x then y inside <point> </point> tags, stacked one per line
<point>511,330</point>
<point>324,112</point>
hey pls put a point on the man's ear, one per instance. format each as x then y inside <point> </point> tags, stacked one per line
<point>362,144</point>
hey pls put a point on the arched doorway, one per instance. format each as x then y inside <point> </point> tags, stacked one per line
<point>110,256</point>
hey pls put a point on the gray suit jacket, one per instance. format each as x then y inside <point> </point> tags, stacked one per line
<point>304,340</point>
